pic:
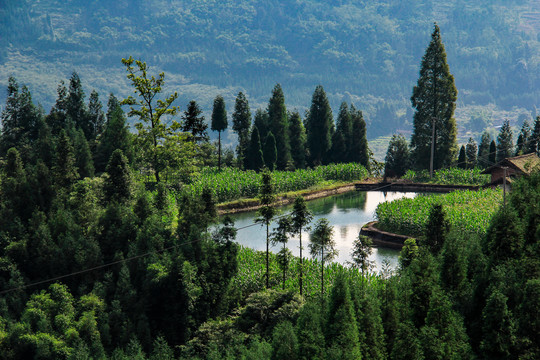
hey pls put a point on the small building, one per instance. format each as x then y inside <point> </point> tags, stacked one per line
<point>515,166</point>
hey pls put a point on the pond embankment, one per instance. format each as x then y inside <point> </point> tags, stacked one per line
<point>383,238</point>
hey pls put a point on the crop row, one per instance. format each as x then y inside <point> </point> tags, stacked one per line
<point>252,271</point>
<point>452,176</point>
<point>232,184</point>
<point>468,211</point>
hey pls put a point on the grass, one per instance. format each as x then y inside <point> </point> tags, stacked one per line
<point>452,176</point>
<point>469,212</point>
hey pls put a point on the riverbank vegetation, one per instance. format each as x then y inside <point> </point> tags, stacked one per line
<point>469,212</point>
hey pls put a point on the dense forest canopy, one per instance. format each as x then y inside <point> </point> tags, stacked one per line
<point>362,52</point>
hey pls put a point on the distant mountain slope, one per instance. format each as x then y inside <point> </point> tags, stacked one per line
<point>361,51</point>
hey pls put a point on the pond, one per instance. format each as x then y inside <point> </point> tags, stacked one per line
<point>347,213</point>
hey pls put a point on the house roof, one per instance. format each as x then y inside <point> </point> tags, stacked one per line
<point>522,164</point>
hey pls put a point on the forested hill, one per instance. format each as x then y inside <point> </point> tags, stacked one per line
<point>363,52</point>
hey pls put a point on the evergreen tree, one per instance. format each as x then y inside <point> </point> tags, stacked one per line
<point>76,108</point>
<point>241,123</point>
<point>262,122</point>
<point>193,122</point>
<point>284,342</point>
<point>534,140</point>
<point>498,327</point>
<point>483,150</point>
<point>280,236</point>
<point>83,156</point>
<point>270,152</point>
<point>359,151</point>
<point>505,144</point>
<point>322,245</point>
<point>279,127</point>
<point>362,249</point>
<point>462,158</point>
<point>471,150</point>
<point>436,229</point>
<point>57,119</point>
<point>297,138</point>
<point>117,185</point>
<point>397,157</point>
<point>319,127</point>
<point>65,170</point>
<point>14,193</point>
<point>115,136</point>
<point>219,121</point>
<point>96,117</point>
<point>434,98</point>
<point>254,158</point>
<point>523,139</point>
<point>342,338</point>
<point>408,253</point>
<point>309,333</point>
<point>266,213</point>
<point>20,120</point>
<point>301,217</point>
<point>342,140</point>
<point>492,159</point>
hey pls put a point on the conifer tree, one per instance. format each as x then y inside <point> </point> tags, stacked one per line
<point>241,123</point>
<point>270,152</point>
<point>322,245</point>
<point>492,158</point>
<point>344,127</point>
<point>297,138</point>
<point>437,228</point>
<point>83,155</point>
<point>254,158</point>
<point>534,140</point>
<point>359,151</point>
<point>309,333</point>
<point>219,121</point>
<point>57,119</point>
<point>65,169</point>
<point>284,342</point>
<point>262,122</point>
<point>342,338</point>
<point>96,117</point>
<point>471,150</point>
<point>462,158</point>
<point>397,156</point>
<point>266,213</point>
<point>434,98</point>
<point>362,249</point>
<point>483,150</point>
<point>280,236</point>
<point>76,108</point>
<point>505,144</point>
<point>117,185</point>
<point>408,253</point>
<point>319,127</point>
<point>116,135</point>
<point>523,139</point>
<point>301,217</point>
<point>193,122</point>
<point>278,125</point>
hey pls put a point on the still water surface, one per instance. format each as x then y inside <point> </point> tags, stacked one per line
<point>347,213</point>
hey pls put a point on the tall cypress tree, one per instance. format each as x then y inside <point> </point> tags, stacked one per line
<point>505,144</point>
<point>83,156</point>
<point>193,122</point>
<point>96,117</point>
<point>492,155</point>
<point>219,121</point>
<point>241,122</point>
<point>534,140</point>
<point>397,156</point>
<point>278,125</point>
<point>434,98</point>
<point>270,152</point>
<point>65,169</point>
<point>483,150</point>
<point>297,137</point>
<point>462,158</point>
<point>254,158</point>
<point>319,127</point>
<point>344,129</point>
<point>471,150</point>
<point>261,121</point>
<point>75,106</point>
<point>359,151</point>
<point>523,139</point>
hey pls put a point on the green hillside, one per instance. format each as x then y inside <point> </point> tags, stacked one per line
<point>363,52</point>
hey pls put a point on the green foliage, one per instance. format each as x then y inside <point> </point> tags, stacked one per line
<point>321,245</point>
<point>467,211</point>
<point>219,121</point>
<point>278,125</point>
<point>241,118</point>
<point>359,151</point>
<point>297,138</point>
<point>434,98</point>
<point>270,151</point>
<point>505,144</point>
<point>397,156</point>
<point>118,183</point>
<point>462,158</point>
<point>319,127</point>
<point>284,342</point>
<point>483,150</point>
<point>254,159</point>
<point>152,132</point>
<point>231,184</point>
<point>193,122</point>
<point>437,228</point>
<point>451,176</point>
<point>65,169</point>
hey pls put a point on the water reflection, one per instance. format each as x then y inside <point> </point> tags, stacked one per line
<point>347,213</point>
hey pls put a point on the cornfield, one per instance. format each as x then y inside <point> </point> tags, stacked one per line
<point>232,184</point>
<point>452,176</point>
<point>468,211</point>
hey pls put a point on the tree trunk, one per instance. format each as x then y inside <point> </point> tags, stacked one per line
<point>301,262</point>
<point>219,150</point>
<point>267,260</point>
